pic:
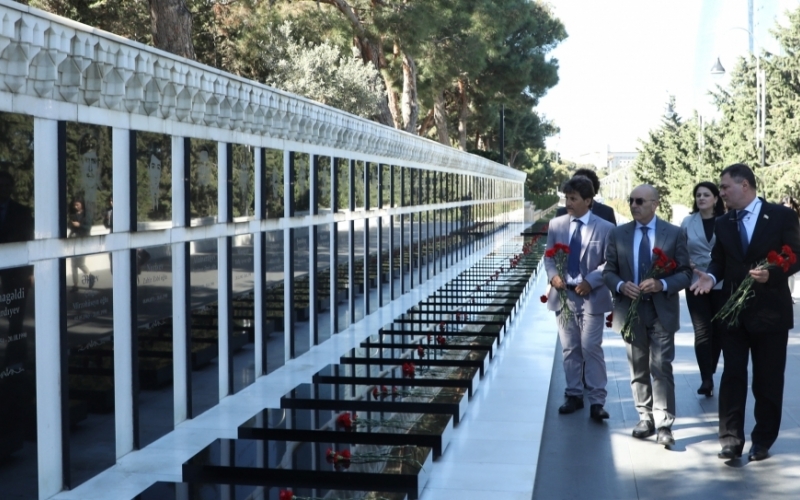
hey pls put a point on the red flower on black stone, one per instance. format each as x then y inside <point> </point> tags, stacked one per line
<point>285,495</point>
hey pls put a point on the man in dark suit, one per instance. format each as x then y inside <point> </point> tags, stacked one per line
<point>745,235</point>
<point>600,210</point>
<point>629,257</point>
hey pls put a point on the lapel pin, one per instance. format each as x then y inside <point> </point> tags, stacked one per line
<point>766,216</point>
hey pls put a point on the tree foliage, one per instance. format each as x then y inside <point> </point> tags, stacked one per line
<point>680,153</point>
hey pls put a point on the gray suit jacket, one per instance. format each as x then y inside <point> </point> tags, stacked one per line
<point>619,268</point>
<point>593,246</point>
<point>698,246</point>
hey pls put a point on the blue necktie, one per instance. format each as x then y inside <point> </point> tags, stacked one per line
<point>743,230</point>
<point>574,261</point>
<point>645,254</point>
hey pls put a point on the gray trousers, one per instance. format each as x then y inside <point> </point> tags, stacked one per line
<point>582,342</point>
<point>651,354</point>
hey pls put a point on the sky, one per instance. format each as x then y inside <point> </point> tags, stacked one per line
<point>624,58</point>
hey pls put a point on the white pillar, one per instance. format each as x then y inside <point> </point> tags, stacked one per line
<point>49,436</point>
<point>123,297</point>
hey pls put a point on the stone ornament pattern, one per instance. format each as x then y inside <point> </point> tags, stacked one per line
<point>46,56</point>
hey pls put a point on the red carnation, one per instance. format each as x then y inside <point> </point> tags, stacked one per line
<point>285,495</point>
<point>344,421</point>
<point>773,257</point>
<point>420,351</point>
<point>543,298</point>
<point>441,340</point>
<point>345,454</point>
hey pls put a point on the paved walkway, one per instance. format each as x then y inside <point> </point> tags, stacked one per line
<point>581,459</point>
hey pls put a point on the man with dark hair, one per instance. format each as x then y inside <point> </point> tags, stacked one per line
<point>745,235</point>
<point>580,329</point>
<point>597,208</point>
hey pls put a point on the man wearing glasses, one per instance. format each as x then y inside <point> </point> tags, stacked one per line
<point>629,258</point>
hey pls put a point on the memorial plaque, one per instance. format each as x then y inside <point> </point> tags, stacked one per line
<point>203,328</point>
<point>273,183</point>
<point>343,287</point>
<point>154,181</point>
<point>243,175</point>
<point>274,300</point>
<point>341,191</point>
<point>89,166</point>
<point>18,451</point>
<point>377,428</point>
<point>90,366</point>
<point>154,338</point>
<point>324,186</point>
<point>306,464</point>
<point>359,185</point>
<point>301,183</point>
<point>243,311</point>
<point>203,182</point>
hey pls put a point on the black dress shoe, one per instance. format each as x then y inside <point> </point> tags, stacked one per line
<point>645,428</point>
<point>665,437</point>
<point>729,453</point>
<point>757,453</point>
<point>707,388</point>
<point>596,412</point>
<point>571,404</point>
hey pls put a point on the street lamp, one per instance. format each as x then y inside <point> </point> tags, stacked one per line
<point>761,97</point>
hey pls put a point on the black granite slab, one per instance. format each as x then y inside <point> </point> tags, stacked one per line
<point>204,491</point>
<point>358,398</point>
<point>387,356</point>
<point>303,464</point>
<point>434,431</point>
<point>389,375</point>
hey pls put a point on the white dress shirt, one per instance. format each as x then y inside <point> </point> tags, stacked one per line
<point>637,240</point>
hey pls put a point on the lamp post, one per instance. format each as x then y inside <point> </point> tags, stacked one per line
<point>761,97</point>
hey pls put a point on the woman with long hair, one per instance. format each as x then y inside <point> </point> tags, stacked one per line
<point>698,227</point>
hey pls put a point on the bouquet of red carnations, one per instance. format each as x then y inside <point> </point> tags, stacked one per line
<point>738,300</point>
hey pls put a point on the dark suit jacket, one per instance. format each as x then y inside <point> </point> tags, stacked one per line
<point>619,267</point>
<point>600,210</point>
<point>771,307</point>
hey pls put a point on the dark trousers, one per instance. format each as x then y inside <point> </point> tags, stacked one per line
<point>768,351</point>
<point>707,335</point>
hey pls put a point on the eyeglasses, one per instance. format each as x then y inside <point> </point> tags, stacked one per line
<point>638,201</point>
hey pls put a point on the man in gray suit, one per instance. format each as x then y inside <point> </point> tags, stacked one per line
<point>581,335</point>
<point>629,257</point>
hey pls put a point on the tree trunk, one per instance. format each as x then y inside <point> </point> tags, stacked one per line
<point>373,53</point>
<point>426,125</point>
<point>463,114</point>
<point>394,101</point>
<point>440,116</point>
<point>410,103</point>
<point>171,24</point>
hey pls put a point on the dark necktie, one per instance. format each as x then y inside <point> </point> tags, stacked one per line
<point>743,230</point>
<point>644,254</point>
<point>574,261</point>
